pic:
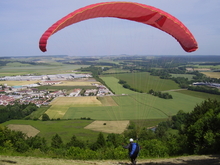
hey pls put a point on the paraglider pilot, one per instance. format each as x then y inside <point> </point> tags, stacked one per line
<point>133,150</point>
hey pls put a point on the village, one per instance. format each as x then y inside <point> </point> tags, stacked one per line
<point>25,94</point>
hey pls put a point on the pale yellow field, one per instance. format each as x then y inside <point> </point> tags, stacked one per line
<point>110,126</point>
<point>80,82</point>
<point>55,112</point>
<point>17,83</point>
<point>72,83</point>
<point>212,74</point>
<point>60,105</point>
<point>75,101</point>
<point>27,129</point>
<point>107,101</point>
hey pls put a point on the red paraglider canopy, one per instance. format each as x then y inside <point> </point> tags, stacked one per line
<point>131,11</point>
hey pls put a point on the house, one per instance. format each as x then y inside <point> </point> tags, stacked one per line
<point>5,100</point>
<point>51,82</point>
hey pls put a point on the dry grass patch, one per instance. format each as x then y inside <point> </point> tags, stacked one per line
<point>55,112</point>
<point>107,101</point>
<point>212,74</point>
<point>74,101</point>
<point>18,83</point>
<point>79,82</point>
<point>108,126</point>
<point>27,129</point>
<point>72,83</point>
<point>60,105</point>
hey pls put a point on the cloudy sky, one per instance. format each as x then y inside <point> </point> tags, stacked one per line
<point>22,22</point>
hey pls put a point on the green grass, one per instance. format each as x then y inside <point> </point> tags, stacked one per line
<point>142,81</point>
<point>116,70</point>
<point>200,94</point>
<point>148,122</point>
<point>65,128</point>
<point>21,69</point>
<point>112,82</point>
<point>37,114</point>
<point>207,66</point>
<point>137,107</point>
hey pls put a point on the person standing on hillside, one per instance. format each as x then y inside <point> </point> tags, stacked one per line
<point>133,150</point>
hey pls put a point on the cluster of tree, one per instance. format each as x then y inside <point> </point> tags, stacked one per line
<point>198,132</point>
<point>3,63</point>
<point>210,63</point>
<point>16,111</point>
<point>205,89</point>
<point>127,86</point>
<point>198,129</point>
<point>182,81</point>
<point>160,94</point>
<point>162,73</point>
<point>90,62</point>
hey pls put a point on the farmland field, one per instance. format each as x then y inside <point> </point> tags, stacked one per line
<point>66,129</point>
<point>76,101</point>
<point>67,88</point>
<point>136,106</point>
<point>112,82</point>
<point>18,83</point>
<point>200,94</point>
<point>142,81</point>
<point>116,70</point>
<point>77,83</point>
<point>27,129</point>
<point>60,105</point>
<point>117,127</point>
<point>212,74</point>
<point>21,69</point>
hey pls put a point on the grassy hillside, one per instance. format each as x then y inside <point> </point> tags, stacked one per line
<point>66,129</point>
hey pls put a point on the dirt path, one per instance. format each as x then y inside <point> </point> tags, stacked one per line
<point>184,160</point>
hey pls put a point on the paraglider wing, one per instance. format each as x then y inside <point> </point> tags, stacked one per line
<point>131,11</point>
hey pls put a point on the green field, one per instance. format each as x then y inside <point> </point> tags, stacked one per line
<point>66,129</point>
<point>200,94</point>
<point>207,66</point>
<point>137,107</point>
<point>142,81</point>
<point>112,82</point>
<point>17,68</point>
<point>116,70</point>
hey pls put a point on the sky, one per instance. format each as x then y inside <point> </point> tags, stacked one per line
<point>22,22</point>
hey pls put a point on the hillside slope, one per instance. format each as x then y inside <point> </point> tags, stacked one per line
<point>186,160</point>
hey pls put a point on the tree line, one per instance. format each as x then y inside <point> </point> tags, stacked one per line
<point>159,94</point>
<point>16,111</point>
<point>127,86</point>
<point>197,132</point>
